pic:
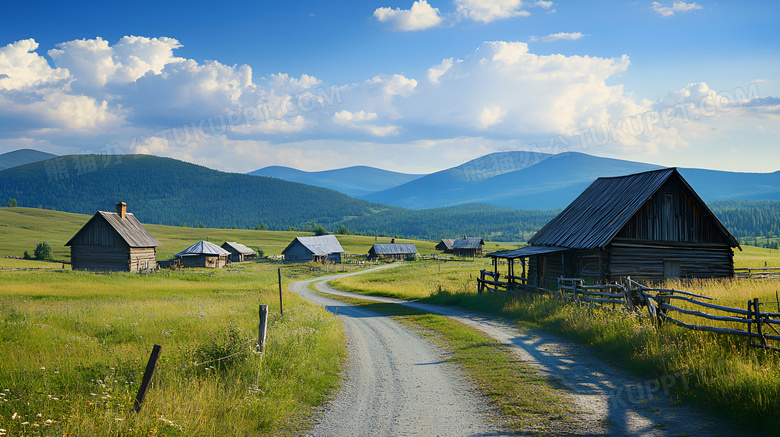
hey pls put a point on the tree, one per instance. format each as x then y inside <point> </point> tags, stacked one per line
<point>342,230</point>
<point>12,203</point>
<point>261,227</point>
<point>319,230</point>
<point>27,255</point>
<point>42,251</point>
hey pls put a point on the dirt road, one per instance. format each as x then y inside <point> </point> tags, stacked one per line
<point>396,384</point>
<point>611,401</point>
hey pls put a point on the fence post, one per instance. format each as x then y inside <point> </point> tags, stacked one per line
<point>759,331</point>
<point>262,327</point>
<point>151,366</point>
<point>281,306</point>
<point>749,327</point>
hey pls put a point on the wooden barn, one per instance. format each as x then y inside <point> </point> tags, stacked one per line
<point>113,242</point>
<point>650,226</point>
<point>467,246</point>
<point>204,254</point>
<point>445,245</point>
<point>238,252</point>
<point>322,248</point>
<point>392,251</point>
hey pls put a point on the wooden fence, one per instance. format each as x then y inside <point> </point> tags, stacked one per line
<point>759,323</point>
<point>758,273</point>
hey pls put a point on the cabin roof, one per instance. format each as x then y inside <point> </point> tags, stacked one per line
<point>594,218</point>
<point>447,242</point>
<point>468,243</point>
<point>238,247</point>
<point>129,229</point>
<point>318,244</point>
<point>394,248</point>
<point>203,248</point>
<point>527,251</point>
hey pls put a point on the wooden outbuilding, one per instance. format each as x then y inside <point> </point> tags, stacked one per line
<point>319,249</point>
<point>392,251</point>
<point>204,254</point>
<point>238,252</point>
<point>113,242</point>
<point>467,246</point>
<point>650,226</point>
<point>445,245</point>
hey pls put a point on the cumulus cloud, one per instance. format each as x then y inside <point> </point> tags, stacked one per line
<point>22,67</point>
<point>421,16</point>
<point>490,10</point>
<point>678,6</point>
<point>570,36</point>
<point>435,72</point>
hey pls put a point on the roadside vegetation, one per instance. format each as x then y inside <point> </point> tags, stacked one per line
<point>75,346</point>
<point>717,371</point>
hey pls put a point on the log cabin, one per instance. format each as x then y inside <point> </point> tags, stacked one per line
<point>319,249</point>
<point>204,254</point>
<point>238,252</point>
<point>113,242</point>
<point>651,226</point>
<point>392,251</point>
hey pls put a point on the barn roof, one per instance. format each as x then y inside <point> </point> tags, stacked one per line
<point>527,251</point>
<point>467,243</point>
<point>203,248</point>
<point>394,248</point>
<point>594,218</point>
<point>319,244</point>
<point>238,247</point>
<point>129,229</point>
<point>445,244</point>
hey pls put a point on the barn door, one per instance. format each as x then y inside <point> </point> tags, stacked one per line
<point>671,269</point>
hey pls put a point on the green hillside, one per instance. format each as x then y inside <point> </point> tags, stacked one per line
<point>22,228</point>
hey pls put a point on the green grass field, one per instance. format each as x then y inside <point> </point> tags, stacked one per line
<point>75,346</point>
<point>717,371</point>
<point>22,228</point>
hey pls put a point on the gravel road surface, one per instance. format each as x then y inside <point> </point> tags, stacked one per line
<point>610,401</point>
<point>396,383</point>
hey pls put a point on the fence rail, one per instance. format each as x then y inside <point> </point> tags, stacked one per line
<point>630,295</point>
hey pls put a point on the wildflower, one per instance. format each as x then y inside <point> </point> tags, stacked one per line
<point>14,416</point>
<point>43,368</point>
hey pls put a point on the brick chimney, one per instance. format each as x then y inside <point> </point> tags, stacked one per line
<point>121,209</point>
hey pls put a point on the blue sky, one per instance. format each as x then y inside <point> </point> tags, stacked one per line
<point>411,86</point>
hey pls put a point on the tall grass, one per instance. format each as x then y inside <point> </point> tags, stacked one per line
<point>717,371</point>
<point>75,346</point>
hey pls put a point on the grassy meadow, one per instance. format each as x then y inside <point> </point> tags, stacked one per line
<point>75,346</point>
<point>22,228</point>
<point>717,371</point>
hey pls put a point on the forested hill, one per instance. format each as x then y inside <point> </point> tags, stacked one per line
<point>171,192</point>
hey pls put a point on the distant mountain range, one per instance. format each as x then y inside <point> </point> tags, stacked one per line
<point>503,196</point>
<point>22,157</point>
<point>355,181</point>
<point>528,180</point>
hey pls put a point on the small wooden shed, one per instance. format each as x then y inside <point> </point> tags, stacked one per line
<point>650,226</point>
<point>204,254</point>
<point>238,252</point>
<point>467,246</point>
<point>445,245</point>
<point>392,251</point>
<point>320,248</point>
<point>113,242</point>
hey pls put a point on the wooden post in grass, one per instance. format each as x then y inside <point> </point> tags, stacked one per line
<point>262,327</point>
<point>151,366</point>
<point>758,322</point>
<point>281,307</point>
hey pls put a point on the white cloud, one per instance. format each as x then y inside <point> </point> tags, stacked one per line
<point>570,36</point>
<point>678,6</point>
<point>357,120</point>
<point>491,116</point>
<point>490,10</point>
<point>435,72</point>
<point>22,67</point>
<point>420,17</point>
<point>543,4</point>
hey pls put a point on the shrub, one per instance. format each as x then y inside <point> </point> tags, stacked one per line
<point>42,251</point>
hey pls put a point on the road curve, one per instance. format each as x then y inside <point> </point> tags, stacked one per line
<point>396,383</point>
<point>611,401</point>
